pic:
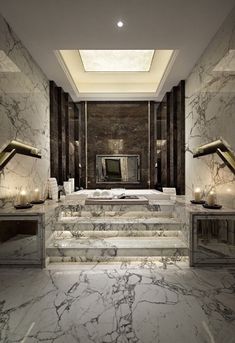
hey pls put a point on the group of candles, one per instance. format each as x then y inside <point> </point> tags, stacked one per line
<point>210,199</point>
<point>24,196</point>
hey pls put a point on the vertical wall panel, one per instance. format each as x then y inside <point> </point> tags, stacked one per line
<point>62,132</point>
<point>170,134</point>
<point>54,149</point>
<point>180,175</point>
<point>63,116</point>
<point>70,139</point>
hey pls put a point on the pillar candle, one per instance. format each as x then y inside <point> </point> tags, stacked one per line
<point>197,194</point>
<point>211,199</point>
<point>36,195</point>
<point>23,198</point>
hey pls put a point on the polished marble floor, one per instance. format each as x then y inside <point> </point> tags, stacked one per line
<point>147,302</point>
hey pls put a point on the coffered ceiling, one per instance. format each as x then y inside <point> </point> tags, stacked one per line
<point>54,30</point>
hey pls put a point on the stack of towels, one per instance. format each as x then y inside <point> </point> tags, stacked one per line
<point>53,188</point>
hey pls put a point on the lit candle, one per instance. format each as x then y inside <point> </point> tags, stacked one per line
<point>36,196</point>
<point>197,194</point>
<point>211,199</point>
<point>23,198</point>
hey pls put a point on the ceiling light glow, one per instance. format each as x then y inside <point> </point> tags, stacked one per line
<point>120,23</point>
<point>116,60</point>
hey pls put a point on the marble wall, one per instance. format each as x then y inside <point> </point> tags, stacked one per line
<point>115,127</point>
<point>210,113</point>
<point>24,114</point>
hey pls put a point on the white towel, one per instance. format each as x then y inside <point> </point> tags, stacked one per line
<point>53,188</point>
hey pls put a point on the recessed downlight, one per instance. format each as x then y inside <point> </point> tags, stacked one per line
<point>120,23</point>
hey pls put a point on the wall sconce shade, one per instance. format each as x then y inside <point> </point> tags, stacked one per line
<point>15,147</point>
<point>222,148</point>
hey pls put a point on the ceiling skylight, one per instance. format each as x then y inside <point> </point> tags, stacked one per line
<point>116,60</point>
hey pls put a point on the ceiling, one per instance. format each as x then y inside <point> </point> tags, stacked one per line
<point>116,82</point>
<point>185,26</point>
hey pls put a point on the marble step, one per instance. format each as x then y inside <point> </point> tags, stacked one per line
<point>62,261</point>
<point>117,224</point>
<point>159,207</point>
<point>115,247</point>
<point>120,233</point>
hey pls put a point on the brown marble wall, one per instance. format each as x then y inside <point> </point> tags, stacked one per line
<point>126,121</point>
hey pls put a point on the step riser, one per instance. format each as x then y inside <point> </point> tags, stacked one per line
<point>111,214</point>
<point>117,227</point>
<point>94,254</point>
<point>117,208</point>
<point>106,234</point>
<point>146,260</point>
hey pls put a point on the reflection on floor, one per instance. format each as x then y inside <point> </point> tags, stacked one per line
<point>139,303</point>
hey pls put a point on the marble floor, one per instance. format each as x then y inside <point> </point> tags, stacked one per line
<point>147,302</point>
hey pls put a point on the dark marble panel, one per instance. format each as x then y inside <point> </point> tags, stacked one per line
<point>62,132</point>
<point>54,148</point>
<point>152,143</point>
<point>162,143</point>
<point>70,149</point>
<point>180,176</point>
<point>117,128</point>
<point>77,153</point>
<point>82,144</point>
<point>170,135</point>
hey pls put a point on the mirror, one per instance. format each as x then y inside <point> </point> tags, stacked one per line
<point>118,168</point>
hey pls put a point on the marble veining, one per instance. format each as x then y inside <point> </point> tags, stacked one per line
<point>210,108</point>
<point>24,116</point>
<point>120,303</point>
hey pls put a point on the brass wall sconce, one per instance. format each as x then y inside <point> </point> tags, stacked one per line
<point>8,151</point>
<point>222,148</point>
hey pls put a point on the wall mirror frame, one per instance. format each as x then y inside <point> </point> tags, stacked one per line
<point>118,168</point>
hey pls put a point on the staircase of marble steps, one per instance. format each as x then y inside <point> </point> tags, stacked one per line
<point>104,233</point>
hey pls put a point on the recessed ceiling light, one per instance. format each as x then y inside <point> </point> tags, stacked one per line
<point>120,23</point>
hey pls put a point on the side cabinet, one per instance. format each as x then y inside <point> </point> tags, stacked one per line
<point>212,239</point>
<point>22,240</point>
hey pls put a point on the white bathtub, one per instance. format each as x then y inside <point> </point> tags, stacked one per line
<point>150,194</point>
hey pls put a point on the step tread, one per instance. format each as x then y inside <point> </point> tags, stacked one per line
<point>119,243</point>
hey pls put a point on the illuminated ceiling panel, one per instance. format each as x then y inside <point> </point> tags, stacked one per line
<point>116,60</point>
<point>117,82</point>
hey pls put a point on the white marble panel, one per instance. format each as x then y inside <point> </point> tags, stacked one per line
<point>24,116</point>
<point>210,113</point>
<point>142,303</point>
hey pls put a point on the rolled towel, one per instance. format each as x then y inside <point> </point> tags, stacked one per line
<point>106,194</point>
<point>96,193</point>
